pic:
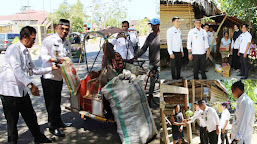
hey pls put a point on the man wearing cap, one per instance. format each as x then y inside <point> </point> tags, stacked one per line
<point>198,115</point>
<point>53,49</point>
<point>17,66</point>
<point>125,42</point>
<point>243,121</point>
<point>197,45</point>
<point>175,48</point>
<point>244,51</point>
<point>153,43</point>
<point>211,119</point>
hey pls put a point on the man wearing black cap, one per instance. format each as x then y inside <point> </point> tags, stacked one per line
<point>53,49</point>
<point>197,45</point>
<point>243,121</point>
<point>212,121</point>
<point>198,115</point>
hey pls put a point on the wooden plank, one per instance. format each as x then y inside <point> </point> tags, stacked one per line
<point>193,101</point>
<point>164,128</point>
<point>173,89</point>
<point>189,130</point>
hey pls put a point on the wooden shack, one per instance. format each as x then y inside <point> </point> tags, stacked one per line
<point>185,93</point>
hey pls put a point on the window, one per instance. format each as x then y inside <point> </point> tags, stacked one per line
<point>12,36</point>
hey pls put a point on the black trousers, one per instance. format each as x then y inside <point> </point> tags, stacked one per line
<point>213,137</point>
<point>203,135</point>
<point>52,93</point>
<point>235,60</point>
<point>199,62</point>
<point>12,106</point>
<point>176,65</point>
<point>244,65</point>
<point>224,136</point>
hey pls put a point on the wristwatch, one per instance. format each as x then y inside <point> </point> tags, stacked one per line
<point>30,85</point>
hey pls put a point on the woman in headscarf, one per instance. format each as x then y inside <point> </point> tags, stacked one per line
<point>235,46</point>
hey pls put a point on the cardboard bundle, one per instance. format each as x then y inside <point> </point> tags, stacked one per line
<point>225,69</point>
<point>224,49</point>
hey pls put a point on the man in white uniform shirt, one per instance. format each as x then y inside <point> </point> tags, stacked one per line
<point>125,42</point>
<point>53,49</point>
<point>16,68</point>
<point>243,121</point>
<point>198,115</point>
<point>244,51</point>
<point>175,48</point>
<point>224,120</point>
<point>197,45</point>
<point>211,120</point>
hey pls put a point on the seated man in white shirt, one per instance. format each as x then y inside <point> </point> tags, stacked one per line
<point>125,42</point>
<point>243,121</point>
<point>197,45</point>
<point>244,51</point>
<point>211,120</point>
<point>203,130</point>
<point>16,68</point>
<point>224,120</point>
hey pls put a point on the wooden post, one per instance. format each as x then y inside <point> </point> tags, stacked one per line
<point>164,128</point>
<point>193,101</point>
<point>190,19</point>
<point>215,37</point>
<point>189,130</point>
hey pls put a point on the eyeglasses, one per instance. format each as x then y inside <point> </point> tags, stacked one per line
<point>67,29</point>
<point>124,26</point>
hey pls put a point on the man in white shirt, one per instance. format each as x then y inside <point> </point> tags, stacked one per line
<point>235,64</point>
<point>203,130</point>
<point>125,42</point>
<point>224,120</point>
<point>175,48</point>
<point>244,51</point>
<point>197,45</point>
<point>211,120</point>
<point>16,68</point>
<point>243,121</point>
<point>211,36</point>
<point>53,49</point>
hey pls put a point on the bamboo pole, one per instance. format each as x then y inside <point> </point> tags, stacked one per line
<point>193,102</point>
<point>186,100</point>
<point>164,128</point>
<point>215,37</point>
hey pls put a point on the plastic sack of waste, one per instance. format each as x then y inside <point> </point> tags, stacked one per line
<point>135,123</point>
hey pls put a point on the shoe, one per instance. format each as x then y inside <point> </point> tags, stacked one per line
<point>44,140</point>
<point>180,78</point>
<point>240,75</point>
<point>57,132</point>
<point>243,77</point>
<point>64,125</point>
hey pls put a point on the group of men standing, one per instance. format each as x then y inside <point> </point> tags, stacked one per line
<point>211,124</point>
<point>199,41</point>
<point>16,68</point>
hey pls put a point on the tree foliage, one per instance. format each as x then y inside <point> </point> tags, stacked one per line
<point>74,13</point>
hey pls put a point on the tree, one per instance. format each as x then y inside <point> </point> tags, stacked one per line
<point>74,13</point>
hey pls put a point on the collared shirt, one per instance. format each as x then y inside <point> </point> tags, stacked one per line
<point>16,66</point>
<point>54,47</point>
<point>197,41</point>
<point>245,38</point>
<point>211,118</point>
<point>125,46</point>
<point>174,40</point>
<point>198,115</point>
<point>243,121</point>
<point>211,36</point>
<point>224,117</point>
<point>153,42</point>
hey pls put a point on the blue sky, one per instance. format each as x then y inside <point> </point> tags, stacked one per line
<point>137,9</point>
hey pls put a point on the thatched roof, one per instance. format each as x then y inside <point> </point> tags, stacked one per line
<point>206,5</point>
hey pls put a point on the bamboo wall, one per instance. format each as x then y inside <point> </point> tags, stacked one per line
<point>184,12</point>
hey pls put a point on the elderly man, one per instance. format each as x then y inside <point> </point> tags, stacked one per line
<point>53,49</point>
<point>17,66</point>
<point>243,121</point>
